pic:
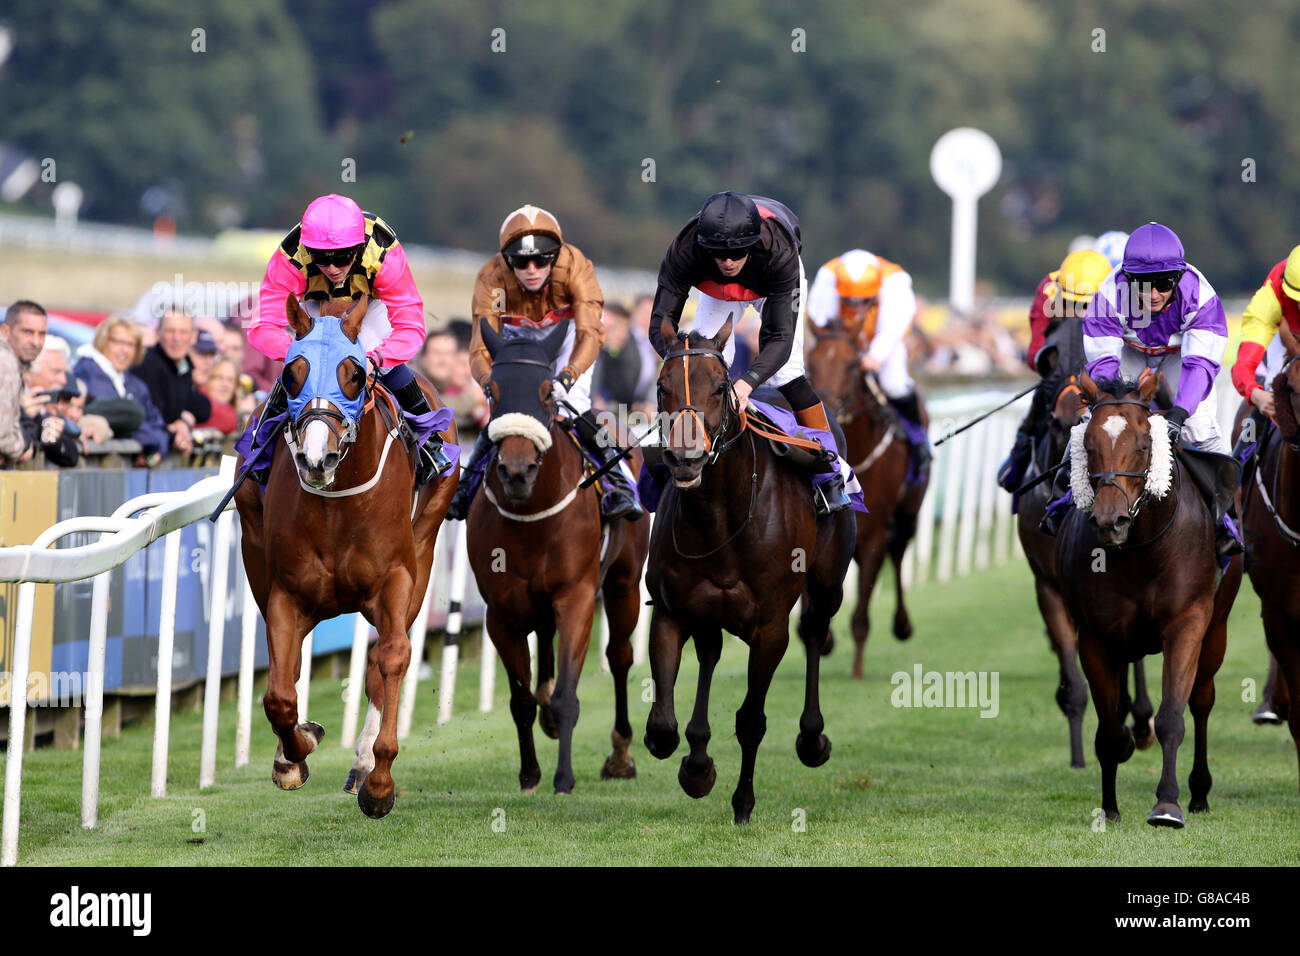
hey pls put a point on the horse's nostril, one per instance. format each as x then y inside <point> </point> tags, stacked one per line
<point>331,460</point>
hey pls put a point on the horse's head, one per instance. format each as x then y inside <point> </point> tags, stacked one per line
<point>522,409</point>
<point>694,390</point>
<point>834,372</point>
<point>1286,390</point>
<point>1121,457</point>
<point>325,377</point>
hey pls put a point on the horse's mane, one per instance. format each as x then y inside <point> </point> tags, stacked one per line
<point>1116,387</point>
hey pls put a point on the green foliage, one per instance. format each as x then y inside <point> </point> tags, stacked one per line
<point>1155,127</point>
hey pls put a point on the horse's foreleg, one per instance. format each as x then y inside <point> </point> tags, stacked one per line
<point>697,773</point>
<point>286,626</point>
<point>1182,646</point>
<point>574,612</point>
<point>1141,708</point>
<point>392,656</point>
<point>1273,708</point>
<point>901,531</point>
<point>546,682</point>
<point>622,608</point>
<point>1071,692</point>
<point>823,594</point>
<point>666,639</point>
<point>513,651</point>
<point>870,558</point>
<point>1114,741</point>
<point>766,648</point>
<point>1285,649</point>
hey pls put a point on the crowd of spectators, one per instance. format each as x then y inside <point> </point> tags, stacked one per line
<point>174,389</point>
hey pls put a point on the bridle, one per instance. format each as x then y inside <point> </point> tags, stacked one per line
<point>541,453</point>
<point>1108,477</point>
<point>730,409</point>
<point>859,405</point>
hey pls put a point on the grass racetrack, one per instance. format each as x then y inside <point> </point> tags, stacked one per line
<point>903,785</point>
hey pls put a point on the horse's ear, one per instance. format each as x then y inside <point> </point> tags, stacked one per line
<point>1164,394</point>
<point>554,340</point>
<point>352,321</point>
<point>667,332</point>
<point>491,337</point>
<point>1148,385</point>
<point>1090,390</point>
<point>724,333</point>
<point>1288,340</point>
<point>299,321</point>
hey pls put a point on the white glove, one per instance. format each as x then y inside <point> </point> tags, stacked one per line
<point>558,392</point>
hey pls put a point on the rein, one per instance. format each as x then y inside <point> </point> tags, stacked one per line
<point>1108,477</point>
<point>395,429</point>
<point>728,414</point>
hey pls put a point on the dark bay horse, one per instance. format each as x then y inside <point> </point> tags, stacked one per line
<point>535,544</point>
<point>879,455</point>
<point>736,542</point>
<point>1271,523</point>
<point>316,545</point>
<point>1139,576</point>
<point>1068,407</point>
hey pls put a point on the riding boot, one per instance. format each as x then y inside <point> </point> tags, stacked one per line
<point>829,495</point>
<point>1226,539</point>
<point>459,507</point>
<point>909,407</point>
<point>619,499</point>
<point>1011,473</point>
<point>432,460</point>
<point>1252,433</point>
<point>277,403</point>
<point>1053,518</point>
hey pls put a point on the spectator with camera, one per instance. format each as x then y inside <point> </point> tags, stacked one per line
<point>22,336</point>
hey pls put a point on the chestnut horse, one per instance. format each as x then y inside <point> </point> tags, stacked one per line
<point>879,450</point>
<point>1040,550</point>
<point>1139,576</point>
<point>314,547</point>
<point>736,542</point>
<point>535,544</point>
<point>1271,523</point>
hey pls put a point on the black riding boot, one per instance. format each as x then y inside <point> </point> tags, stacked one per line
<point>620,499</point>
<point>1226,543</point>
<point>1011,473</point>
<point>1051,521</point>
<point>432,460</point>
<point>459,507</point>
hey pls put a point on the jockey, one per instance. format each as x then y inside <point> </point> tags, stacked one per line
<point>1111,245</point>
<point>537,281</point>
<point>745,249</point>
<point>873,298</point>
<point>1261,354</point>
<point>1158,313</point>
<point>1064,293</point>
<point>336,252</point>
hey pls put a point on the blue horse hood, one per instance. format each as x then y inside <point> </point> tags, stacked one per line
<point>324,347</point>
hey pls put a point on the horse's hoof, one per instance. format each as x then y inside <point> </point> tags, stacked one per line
<point>1198,805</point>
<point>354,782</point>
<point>828,645</point>
<point>1077,764</point>
<point>813,756</point>
<point>288,775</point>
<point>313,730</point>
<point>616,769</point>
<point>546,721</point>
<point>697,783</point>
<point>1266,715</point>
<point>742,817</point>
<point>376,809</point>
<point>902,629</point>
<point>661,744</point>
<point>528,781</point>
<point>1166,815</point>
<point>1145,741</point>
<point>1112,816</point>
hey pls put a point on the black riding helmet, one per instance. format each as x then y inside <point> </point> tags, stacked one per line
<point>729,222</point>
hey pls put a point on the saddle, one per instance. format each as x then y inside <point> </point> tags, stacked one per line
<point>1216,476</point>
<point>803,452</point>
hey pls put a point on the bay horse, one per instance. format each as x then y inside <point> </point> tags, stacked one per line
<point>1139,576</point>
<point>315,544</point>
<point>536,548</point>
<point>879,450</point>
<point>1068,406</point>
<point>1271,524</point>
<point>736,542</point>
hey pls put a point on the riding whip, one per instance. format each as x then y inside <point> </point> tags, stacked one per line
<point>976,421</point>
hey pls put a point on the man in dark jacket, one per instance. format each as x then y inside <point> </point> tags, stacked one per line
<point>166,370</point>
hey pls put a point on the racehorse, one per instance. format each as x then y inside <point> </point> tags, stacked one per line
<point>879,448</point>
<point>1271,522</point>
<point>1040,550</point>
<point>735,543</point>
<point>339,528</point>
<point>536,547</point>
<point>1139,576</point>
